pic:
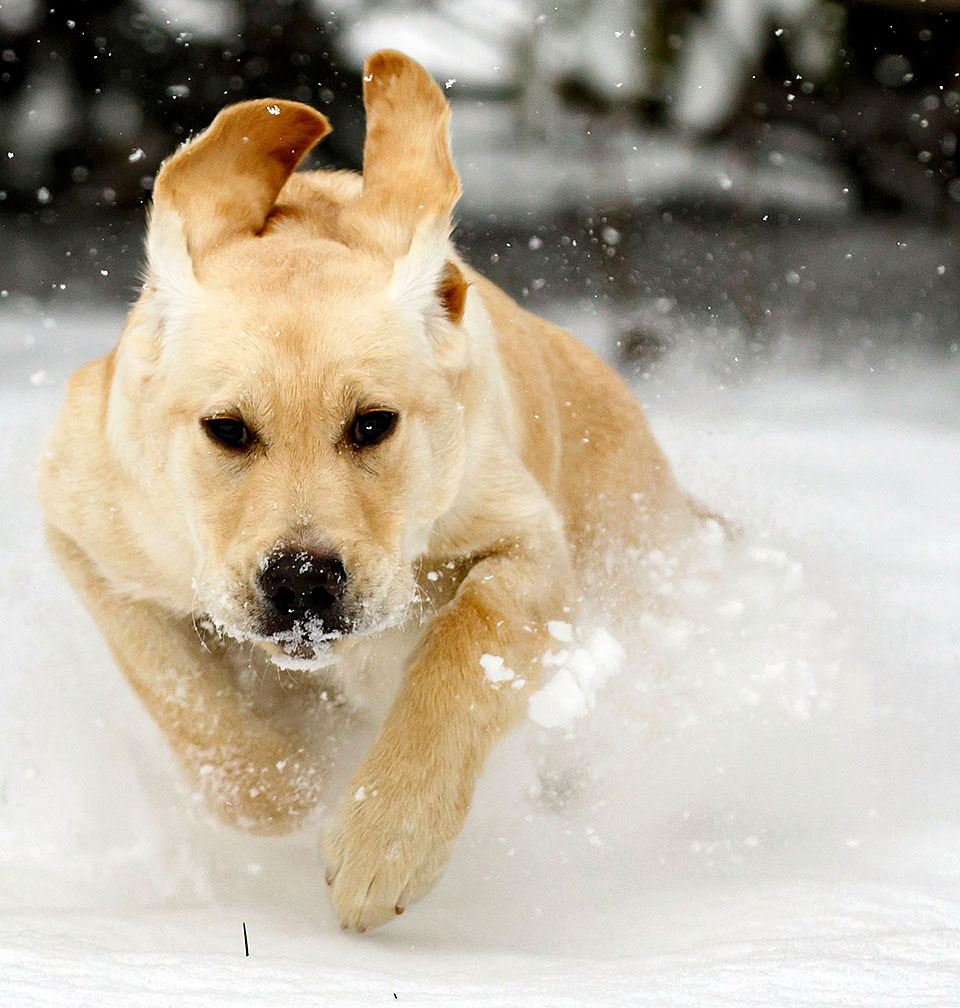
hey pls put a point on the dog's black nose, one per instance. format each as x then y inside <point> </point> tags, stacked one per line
<point>303,589</point>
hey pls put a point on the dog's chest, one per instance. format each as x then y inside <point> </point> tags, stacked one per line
<point>368,671</point>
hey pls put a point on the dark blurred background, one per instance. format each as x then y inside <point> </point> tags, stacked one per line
<point>680,171</point>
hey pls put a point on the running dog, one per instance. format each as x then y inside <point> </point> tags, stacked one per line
<point>326,449</point>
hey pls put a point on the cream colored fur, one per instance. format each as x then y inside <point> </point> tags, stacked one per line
<point>519,464</point>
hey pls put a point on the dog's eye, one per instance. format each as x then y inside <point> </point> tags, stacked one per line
<point>229,431</point>
<point>371,428</point>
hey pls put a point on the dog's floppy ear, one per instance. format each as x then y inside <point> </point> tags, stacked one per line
<point>410,186</point>
<point>223,184</point>
<point>408,174</point>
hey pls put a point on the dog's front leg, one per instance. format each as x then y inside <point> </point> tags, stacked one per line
<point>407,802</point>
<point>252,776</point>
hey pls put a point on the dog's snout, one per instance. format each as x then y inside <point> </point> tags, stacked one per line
<point>303,588</point>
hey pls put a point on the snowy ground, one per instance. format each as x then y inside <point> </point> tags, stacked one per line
<point>766,814</point>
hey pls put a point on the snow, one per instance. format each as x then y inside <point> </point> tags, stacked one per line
<point>446,43</point>
<point>761,810</point>
<point>206,20</point>
<point>19,15</point>
<point>494,670</point>
<point>583,671</point>
<point>559,703</point>
<point>560,631</point>
<point>615,167</point>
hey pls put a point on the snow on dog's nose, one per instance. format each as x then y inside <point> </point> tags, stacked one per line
<point>303,590</point>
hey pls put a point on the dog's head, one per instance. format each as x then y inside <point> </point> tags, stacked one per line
<point>289,388</point>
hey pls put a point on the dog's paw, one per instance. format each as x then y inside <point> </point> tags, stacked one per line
<point>383,852</point>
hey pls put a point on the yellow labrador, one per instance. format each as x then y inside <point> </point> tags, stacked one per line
<point>315,404</point>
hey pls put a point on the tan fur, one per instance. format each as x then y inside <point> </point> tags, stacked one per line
<point>519,459</point>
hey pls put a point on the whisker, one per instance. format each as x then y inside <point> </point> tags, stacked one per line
<point>195,622</point>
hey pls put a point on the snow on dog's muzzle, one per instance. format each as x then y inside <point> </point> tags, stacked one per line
<point>303,599</point>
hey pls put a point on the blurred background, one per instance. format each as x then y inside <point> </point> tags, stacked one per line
<point>709,173</point>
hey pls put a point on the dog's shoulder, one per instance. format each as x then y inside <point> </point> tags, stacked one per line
<point>583,434</point>
<point>553,371</point>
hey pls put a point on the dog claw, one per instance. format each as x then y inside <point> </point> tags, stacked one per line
<point>361,928</point>
<point>328,878</point>
<point>399,909</point>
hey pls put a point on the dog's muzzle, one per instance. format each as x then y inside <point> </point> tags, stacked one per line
<point>303,595</point>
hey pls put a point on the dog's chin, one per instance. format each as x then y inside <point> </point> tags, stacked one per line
<point>302,656</point>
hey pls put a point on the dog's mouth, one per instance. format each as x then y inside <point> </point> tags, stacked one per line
<point>288,652</point>
<point>309,640</point>
<point>313,644</point>
<point>295,649</point>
